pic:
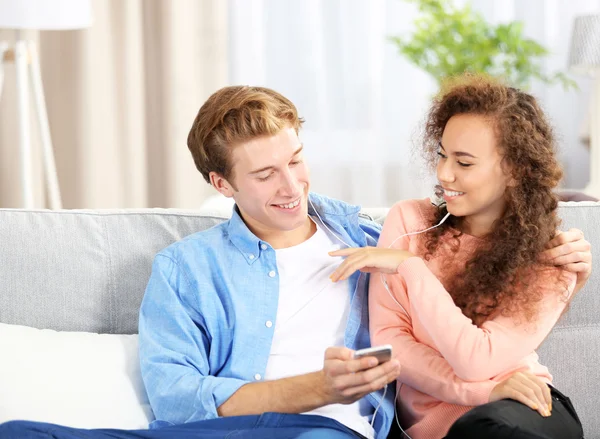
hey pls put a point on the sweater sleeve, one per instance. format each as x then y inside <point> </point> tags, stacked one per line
<point>474,353</point>
<point>479,353</point>
<point>422,367</point>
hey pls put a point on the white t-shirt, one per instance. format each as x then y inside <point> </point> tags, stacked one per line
<point>311,316</point>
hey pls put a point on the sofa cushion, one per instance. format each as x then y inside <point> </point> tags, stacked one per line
<point>72,378</point>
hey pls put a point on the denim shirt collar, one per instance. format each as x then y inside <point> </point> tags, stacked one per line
<point>340,217</point>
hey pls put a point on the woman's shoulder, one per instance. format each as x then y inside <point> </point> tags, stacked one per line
<point>551,279</point>
<point>414,213</point>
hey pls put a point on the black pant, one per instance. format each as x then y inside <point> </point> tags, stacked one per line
<point>509,419</point>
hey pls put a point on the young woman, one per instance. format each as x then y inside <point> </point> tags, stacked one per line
<point>466,304</point>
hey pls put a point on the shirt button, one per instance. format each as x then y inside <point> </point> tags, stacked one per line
<point>263,246</point>
<point>251,256</point>
<point>257,377</point>
<point>268,323</point>
<point>271,274</point>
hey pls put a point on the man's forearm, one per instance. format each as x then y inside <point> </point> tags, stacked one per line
<point>296,394</point>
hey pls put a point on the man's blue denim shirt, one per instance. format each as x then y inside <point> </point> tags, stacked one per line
<point>202,331</point>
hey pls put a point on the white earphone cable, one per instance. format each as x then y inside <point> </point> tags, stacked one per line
<point>393,298</point>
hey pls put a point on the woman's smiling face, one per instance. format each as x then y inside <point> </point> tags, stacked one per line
<point>471,171</point>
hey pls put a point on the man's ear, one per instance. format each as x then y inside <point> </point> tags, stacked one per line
<point>221,184</point>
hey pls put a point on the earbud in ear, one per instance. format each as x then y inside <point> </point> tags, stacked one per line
<point>438,196</point>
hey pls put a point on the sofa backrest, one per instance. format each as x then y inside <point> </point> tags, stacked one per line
<point>572,350</point>
<point>85,270</point>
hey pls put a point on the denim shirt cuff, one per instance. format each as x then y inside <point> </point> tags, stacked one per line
<point>223,388</point>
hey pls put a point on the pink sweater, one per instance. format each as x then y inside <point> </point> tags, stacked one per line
<point>448,365</point>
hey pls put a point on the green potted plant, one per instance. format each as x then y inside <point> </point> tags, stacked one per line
<point>449,40</point>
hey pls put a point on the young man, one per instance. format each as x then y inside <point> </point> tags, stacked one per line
<point>255,325</point>
<point>241,329</point>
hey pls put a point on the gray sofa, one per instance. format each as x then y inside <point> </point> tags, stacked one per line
<point>86,271</point>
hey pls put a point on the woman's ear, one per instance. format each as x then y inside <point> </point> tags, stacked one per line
<point>508,169</point>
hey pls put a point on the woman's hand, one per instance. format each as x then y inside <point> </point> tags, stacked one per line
<point>368,260</point>
<point>526,388</point>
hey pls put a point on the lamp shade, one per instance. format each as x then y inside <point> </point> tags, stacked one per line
<point>45,14</point>
<point>584,56</point>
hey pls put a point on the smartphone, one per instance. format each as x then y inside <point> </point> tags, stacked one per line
<point>383,353</point>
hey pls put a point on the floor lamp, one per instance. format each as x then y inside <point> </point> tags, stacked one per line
<point>19,15</point>
<point>584,57</point>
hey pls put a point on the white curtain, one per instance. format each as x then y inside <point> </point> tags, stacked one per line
<point>121,98</point>
<point>363,103</point>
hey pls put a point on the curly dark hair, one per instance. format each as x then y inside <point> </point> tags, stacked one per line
<point>496,277</point>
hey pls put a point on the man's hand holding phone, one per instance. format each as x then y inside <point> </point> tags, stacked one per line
<point>383,353</point>
<point>349,375</point>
